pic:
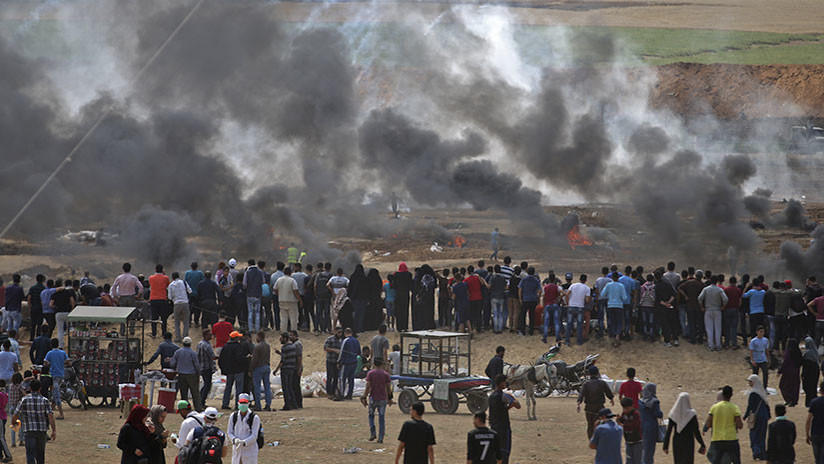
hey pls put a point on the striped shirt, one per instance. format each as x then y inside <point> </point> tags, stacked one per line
<point>334,343</point>
<point>507,272</point>
<point>34,412</point>
<point>288,356</point>
<point>206,356</point>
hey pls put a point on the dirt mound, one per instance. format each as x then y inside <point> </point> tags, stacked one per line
<point>741,91</point>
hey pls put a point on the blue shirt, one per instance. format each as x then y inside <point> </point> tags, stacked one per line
<point>607,441</point>
<point>759,347</point>
<point>45,298</point>
<point>756,298</point>
<point>616,295</point>
<point>630,284</point>
<point>193,278</point>
<point>349,351</point>
<point>57,358</point>
<point>390,292</point>
<point>530,286</point>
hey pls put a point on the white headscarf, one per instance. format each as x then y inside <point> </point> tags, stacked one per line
<point>681,412</point>
<point>758,387</point>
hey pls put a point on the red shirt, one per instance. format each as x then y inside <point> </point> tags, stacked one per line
<point>473,282</point>
<point>221,331</point>
<point>550,294</point>
<point>158,283</point>
<point>734,294</point>
<point>631,389</point>
<point>379,379</point>
<point>819,308</point>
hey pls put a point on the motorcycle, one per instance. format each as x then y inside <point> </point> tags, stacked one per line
<point>565,379</point>
<point>73,389</point>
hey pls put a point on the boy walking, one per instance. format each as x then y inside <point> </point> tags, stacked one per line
<point>630,420</point>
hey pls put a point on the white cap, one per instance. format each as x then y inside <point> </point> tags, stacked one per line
<point>243,398</point>
<point>232,262</point>
<point>187,341</point>
<point>210,412</point>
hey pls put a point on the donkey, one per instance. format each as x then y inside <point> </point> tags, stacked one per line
<point>525,378</point>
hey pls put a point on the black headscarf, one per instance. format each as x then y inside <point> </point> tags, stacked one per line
<point>358,289</point>
<point>375,283</point>
<point>794,351</point>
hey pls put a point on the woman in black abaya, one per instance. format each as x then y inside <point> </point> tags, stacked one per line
<point>403,285</point>
<point>374,308</point>
<point>423,312</point>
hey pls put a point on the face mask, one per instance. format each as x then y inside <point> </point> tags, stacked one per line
<point>243,407</point>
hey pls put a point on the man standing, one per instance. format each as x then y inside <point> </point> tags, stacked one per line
<point>126,287</point>
<point>222,331</point>
<point>193,277</point>
<point>300,278</point>
<point>63,302</point>
<point>295,340</point>
<point>188,369</point>
<point>178,292</point>
<point>617,298</point>
<point>528,291</point>
<point>232,363</point>
<point>323,297</point>
<point>244,427</point>
<point>815,425</point>
<point>417,439</point>
<point>35,305</point>
<point>36,417</point>
<point>578,297</point>
<point>206,358</point>
<point>191,420</point>
<point>690,290</point>
<point>666,315</point>
<point>594,393</point>
<point>631,388</point>
<point>725,421</point>
<point>347,363</point>
<point>57,362</point>
<point>332,347</point>
<point>731,314</point>
<point>40,346</point>
<point>260,372</point>
<point>759,346</point>
<point>499,405</point>
<point>208,295</point>
<point>476,299</point>
<point>288,370</point>
<point>606,440</point>
<point>158,299</point>
<point>164,351</point>
<point>496,234</point>
<point>380,344</point>
<point>286,290</point>
<point>497,298</point>
<point>253,283</point>
<point>483,445</point>
<point>496,364</point>
<point>712,299</point>
<point>379,394</point>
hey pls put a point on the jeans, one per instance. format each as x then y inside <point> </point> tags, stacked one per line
<point>527,308</point>
<point>498,314</point>
<point>731,326</point>
<point>159,310</point>
<point>780,331</point>
<point>575,314</point>
<point>322,307</point>
<point>560,318</point>
<point>3,444</point>
<point>648,320</point>
<point>380,406</point>
<point>693,316</point>
<point>35,447</point>
<point>549,318</point>
<point>684,320</point>
<point>712,321</point>
<point>182,316</point>
<point>261,375</point>
<point>615,319</point>
<point>237,381</point>
<point>818,448</point>
<point>60,319</point>
<point>332,375</point>
<point>287,377</point>
<point>206,376</point>
<point>634,452</point>
<point>729,448</point>
<point>359,307</point>
<point>347,380</point>
<point>627,319</point>
<point>771,330</point>
<point>57,382</point>
<point>253,306</point>
<point>765,369</point>
<point>12,320</point>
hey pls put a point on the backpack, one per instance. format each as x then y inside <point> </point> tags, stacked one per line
<point>211,447</point>
<point>189,454</point>
<point>322,290</point>
<point>797,302</point>
<point>250,420</point>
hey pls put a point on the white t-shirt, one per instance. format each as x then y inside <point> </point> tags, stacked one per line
<point>285,286</point>
<point>578,294</point>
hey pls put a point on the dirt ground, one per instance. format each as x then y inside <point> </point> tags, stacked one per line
<point>323,428</point>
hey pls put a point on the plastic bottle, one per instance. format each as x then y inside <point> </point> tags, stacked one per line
<point>103,446</point>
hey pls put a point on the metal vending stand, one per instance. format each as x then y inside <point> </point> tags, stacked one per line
<point>108,355</point>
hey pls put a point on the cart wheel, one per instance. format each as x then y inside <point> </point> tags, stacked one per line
<point>75,402</point>
<point>96,402</point>
<point>446,406</point>
<point>405,400</point>
<point>477,402</point>
<point>542,389</point>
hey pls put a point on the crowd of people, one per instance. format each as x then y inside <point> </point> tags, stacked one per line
<point>235,307</point>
